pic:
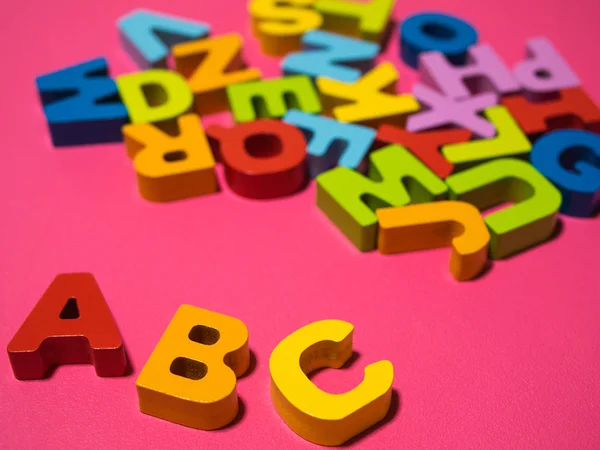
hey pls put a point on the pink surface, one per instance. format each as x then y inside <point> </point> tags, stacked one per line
<point>509,361</point>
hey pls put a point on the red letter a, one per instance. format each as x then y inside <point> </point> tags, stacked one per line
<point>71,324</point>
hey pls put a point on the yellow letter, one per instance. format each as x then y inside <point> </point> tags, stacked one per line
<point>318,416</point>
<point>280,24</point>
<point>361,19</point>
<point>369,101</point>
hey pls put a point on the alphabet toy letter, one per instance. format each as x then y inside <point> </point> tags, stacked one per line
<point>82,104</point>
<point>315,415</point>
<point>427,32</point>
<point>396,178</point>
<point>425,146</point>
<point>71,324</point>
<point>433,225</point>
<point>147,36</point>
<point>441,111</point>
<point>529,221</point>
<point>190,377</point>
<point>263,159</point>
<point>272,98</point>
<point>331,55</point>
<point>571,160</point>
<point>364,19</point>
<point>210,65</point>
<point>573,108</point>
<point>509,141</point>
<point>484,68</point>
<point>155,96</point>
<point>544,72</point>
<point>171,167</point>
<point>331,142</point>
<point>279,25</point>
<point>370,101</point>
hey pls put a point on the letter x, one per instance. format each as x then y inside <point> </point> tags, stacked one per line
<point>445,111</point>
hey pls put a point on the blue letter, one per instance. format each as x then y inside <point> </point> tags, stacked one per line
<point>332,56</point>
<point>435,32</point>
<point>330,141</point>
<point>571,160</point>
<point>148,36</point>
<point>82,104</point>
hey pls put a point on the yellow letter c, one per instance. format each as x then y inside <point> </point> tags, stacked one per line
<point>315,415</point>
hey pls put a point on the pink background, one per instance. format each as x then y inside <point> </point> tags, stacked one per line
<point>508,361</point>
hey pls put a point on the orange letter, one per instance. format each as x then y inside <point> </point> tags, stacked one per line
<point>190,376</point>
<point>433,225</point>
<point>171,167</point>
<point>210,65</point>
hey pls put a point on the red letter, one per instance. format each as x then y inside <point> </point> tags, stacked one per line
<point>263,159</point>
<point>425,145</point>
<point>573,108</point>
<point>71,324</point>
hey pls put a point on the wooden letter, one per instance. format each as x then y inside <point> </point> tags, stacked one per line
<point>71,324</point>
<point>210,65</point>
<point>396,178</point>
<point>332,56</point>
<point>147,35</point>
<point>190,377</point>
<point>362,19</point>
<point>331,142</point>
<point>371,101</point>
<point>434,225</point>
<point>529,221</point>
<point>571,160</point>
<point>572,108</point>
<point>171,167</point>
<point>263,159</point>
<point>425,146</point>
<point>82,104</point>
<point>435,32</point>
<point>280,24</point>
<point>272,98</point>
<point>155,96</point>
<point>509,141</point>
<point>315,415</point>
<point>484,72</point>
